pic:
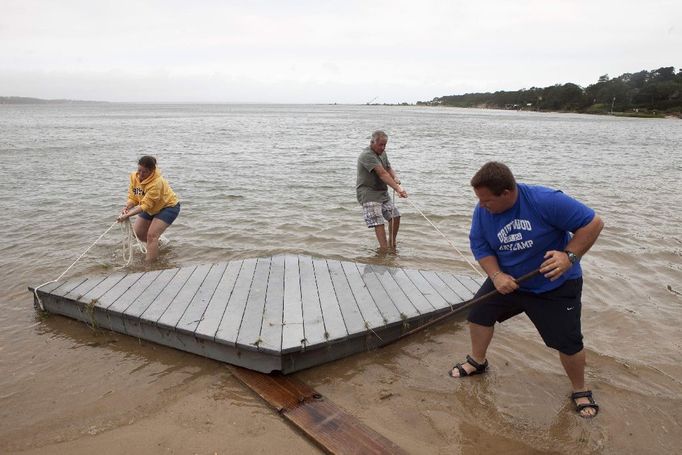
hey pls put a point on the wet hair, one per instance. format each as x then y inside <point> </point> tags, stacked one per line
<point>495,176</point>
<point>378,134</point>
<point>149,162</point>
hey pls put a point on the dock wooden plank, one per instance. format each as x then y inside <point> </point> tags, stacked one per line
<point>178,306</point>
<point>420,302</point>
<point>347,304</point>
<point>157,307</point>
<point>229,326</point>
<point>194,313</point>
<point>395,293</point>
<point>471,284</point>
<point>119,289</point>
<point>313,321</point>
<point>249,330</point>
<point>50,287</point>
<point>208,326</point>
<point>331,311</point>
<point>95,293</point>
<point>292,328</point>
<point>372,318</point>
<point>68,286</point>
<point>426,289</point>
<point>271,329</point>
<point>453,283</point>
<point>333,429</point>
<point>79,291</point>
<point>139,305</point>
<point>123,302</point>
<point>388,310</point>
<point>443,289</point>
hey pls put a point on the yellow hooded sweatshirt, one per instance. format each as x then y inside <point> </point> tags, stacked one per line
<point>152,194</point>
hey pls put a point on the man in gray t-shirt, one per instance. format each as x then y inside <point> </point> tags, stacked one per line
<point>375,175</point>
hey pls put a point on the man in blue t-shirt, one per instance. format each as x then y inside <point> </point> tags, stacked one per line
<point>515,230</point>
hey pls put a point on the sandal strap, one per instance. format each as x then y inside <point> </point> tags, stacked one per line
<point>585,394</point>
<point>460,368</point>
<point>475,364</point>
<point>580,406</point>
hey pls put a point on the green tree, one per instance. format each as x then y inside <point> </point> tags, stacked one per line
<point>663,74</point>
<point>659,89</point>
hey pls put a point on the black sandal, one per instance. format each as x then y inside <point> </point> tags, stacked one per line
<point>579,407</point>
<point>479,368</point>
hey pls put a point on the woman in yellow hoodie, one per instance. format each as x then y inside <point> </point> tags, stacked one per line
<point>151,197</point>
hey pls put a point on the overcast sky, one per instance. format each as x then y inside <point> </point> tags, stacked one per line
<point>324,51</point>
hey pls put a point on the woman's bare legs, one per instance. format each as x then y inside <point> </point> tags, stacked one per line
<point>155,230</point>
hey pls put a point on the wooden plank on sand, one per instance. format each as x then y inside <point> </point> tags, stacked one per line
<point>329,426</point>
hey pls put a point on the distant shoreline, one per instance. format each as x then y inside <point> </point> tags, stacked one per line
<point>29,100</point>
<point>641,114</point>
<point>22,100</point>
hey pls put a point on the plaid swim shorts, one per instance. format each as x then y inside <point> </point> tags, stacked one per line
<point>375,212</point>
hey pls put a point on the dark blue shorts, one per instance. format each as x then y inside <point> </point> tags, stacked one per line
<point>556,313</point>
<point>167,215</point>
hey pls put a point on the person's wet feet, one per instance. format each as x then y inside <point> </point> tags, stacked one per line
<point>468,368</point>
<point>585,405</point>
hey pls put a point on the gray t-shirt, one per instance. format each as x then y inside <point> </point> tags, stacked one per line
<point>370,188</point>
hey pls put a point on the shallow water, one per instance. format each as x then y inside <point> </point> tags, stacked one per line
<point>261,180</point>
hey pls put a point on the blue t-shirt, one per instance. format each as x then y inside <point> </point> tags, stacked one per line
<point>542,219</point>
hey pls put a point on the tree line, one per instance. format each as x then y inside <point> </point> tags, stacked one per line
<point>643,93</point>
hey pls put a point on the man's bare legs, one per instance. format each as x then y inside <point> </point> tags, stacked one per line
<point>481,336</point>
<point>380,232</point>
<point>393,226</point>
<point>574,365</point>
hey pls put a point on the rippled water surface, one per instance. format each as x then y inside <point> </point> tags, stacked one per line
<point>260,180</point>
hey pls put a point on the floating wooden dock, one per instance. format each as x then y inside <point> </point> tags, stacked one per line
<point>282,313</point>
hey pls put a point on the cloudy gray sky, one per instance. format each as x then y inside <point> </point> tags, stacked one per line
<point>324,51</point>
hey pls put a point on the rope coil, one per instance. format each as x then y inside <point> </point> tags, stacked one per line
<point>129,234</point>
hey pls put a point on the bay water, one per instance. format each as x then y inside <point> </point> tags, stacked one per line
<point>259,180</point>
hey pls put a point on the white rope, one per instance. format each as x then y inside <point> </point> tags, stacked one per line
<point>449,241</point>
<point>35,291</point>
<point>128,235</point>
<point>391,243</point>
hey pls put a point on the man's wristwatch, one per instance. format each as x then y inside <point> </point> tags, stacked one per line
<point>571,256</point>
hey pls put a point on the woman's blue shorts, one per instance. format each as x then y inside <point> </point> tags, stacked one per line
<point>167,215</point>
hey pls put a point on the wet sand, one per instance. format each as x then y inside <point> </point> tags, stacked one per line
<point>145,398</point>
